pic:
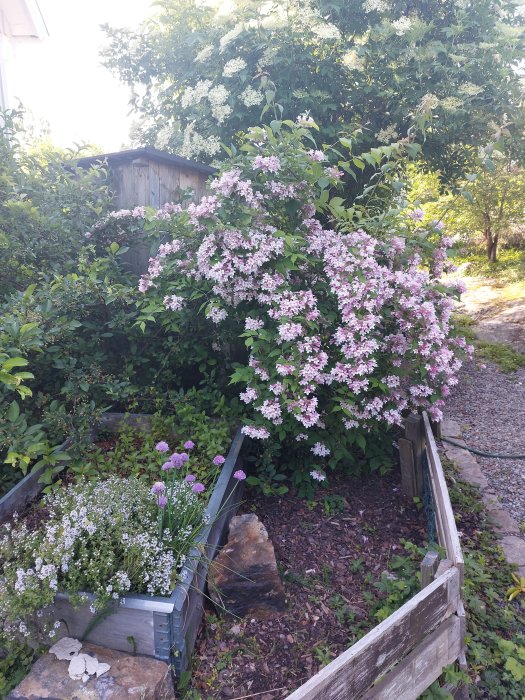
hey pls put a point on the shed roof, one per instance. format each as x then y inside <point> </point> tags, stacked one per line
<point>123,157</point>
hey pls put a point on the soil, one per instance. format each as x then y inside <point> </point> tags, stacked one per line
<point>328,564</point>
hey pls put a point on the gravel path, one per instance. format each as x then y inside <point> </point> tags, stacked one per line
<point>490,408</point>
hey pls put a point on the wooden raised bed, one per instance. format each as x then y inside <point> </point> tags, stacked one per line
<point>401,657</point>
<point>163,627</point>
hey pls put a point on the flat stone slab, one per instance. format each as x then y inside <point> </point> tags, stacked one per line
<point>503,521</point>
<point>514,548</point>
<point>450,429</point>
<point>129,678</point>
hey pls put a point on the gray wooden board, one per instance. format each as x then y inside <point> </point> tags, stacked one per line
<point>422,666</point>
<point>27,489</point>
<point>354,671</point>
<point>113,631</point>
<point>442,500</point>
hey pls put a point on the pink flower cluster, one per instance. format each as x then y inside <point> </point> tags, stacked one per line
<point>342,326</point>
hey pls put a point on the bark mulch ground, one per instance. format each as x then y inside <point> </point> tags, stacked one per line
<point>329,562</point>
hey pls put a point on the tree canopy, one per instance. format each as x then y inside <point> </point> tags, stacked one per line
<point>199,74</point>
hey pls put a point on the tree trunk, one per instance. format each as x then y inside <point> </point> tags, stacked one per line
<point>492,245</point>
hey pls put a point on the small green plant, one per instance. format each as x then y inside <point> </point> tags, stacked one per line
<point>323,653</point>
<point>518,588</point>
<point>356,565</point>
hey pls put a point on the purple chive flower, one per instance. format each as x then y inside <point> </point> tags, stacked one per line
<point>158,487</point>
<point>198,488</point>
<point>190,478</point>
<point>184,457</point>
<point>167,466</point>
<point>162,446</point>
<point>239,475</point>
<point>189,445</point>
<point>177,460</point>
<point>218,460</point>
<point>162,500</point>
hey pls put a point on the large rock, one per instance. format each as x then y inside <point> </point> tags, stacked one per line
<point>243,579</point>
<point>129,678</point>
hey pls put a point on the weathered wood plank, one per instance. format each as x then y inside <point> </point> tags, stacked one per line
<point>442,500</point>
<point>428,568</point>
<point>406,462</point>
<point>354,671</point>
<point>422,666</point>
<point>113,631</point>
<point>27,489</point>
<point>443,566</point>
<point>414,432</point>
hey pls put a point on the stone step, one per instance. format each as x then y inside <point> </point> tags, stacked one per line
<point>129,678</point>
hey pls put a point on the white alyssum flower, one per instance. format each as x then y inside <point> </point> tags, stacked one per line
<point>234,66</point>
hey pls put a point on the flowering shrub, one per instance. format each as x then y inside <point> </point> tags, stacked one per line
<point>344,330</point>
<point>101,537</point>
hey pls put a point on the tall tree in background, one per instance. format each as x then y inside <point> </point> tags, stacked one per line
<point>200,74</point>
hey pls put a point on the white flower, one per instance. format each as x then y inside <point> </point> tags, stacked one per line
<point>318,476</point>
<point>402,25</point>
<point>351,61</point>
<point>388,134</point>
<point>250,97</point>
<point>376,6</point>
<point>234,66</point>
<point>230,36</point>
<point>204,54</point>
<point>193,95</point>
<point>218,95</point>
<point>221,112</point>
<point>320,450</point>
<point>326,31</point>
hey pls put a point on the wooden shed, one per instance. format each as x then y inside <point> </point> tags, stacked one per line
<point>148,177</point>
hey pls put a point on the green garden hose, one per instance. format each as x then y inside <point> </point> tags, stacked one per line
<point>480,452</point>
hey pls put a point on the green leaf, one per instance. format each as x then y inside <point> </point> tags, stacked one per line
<point>515,668</point>
<point>13,411</point>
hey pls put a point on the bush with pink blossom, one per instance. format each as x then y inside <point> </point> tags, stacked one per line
<point>347,327</point>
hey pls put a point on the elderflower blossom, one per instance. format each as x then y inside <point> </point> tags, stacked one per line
<point>376,6</point>
<point>234,66</point>
<point>250,97</point>
<point>388,134</point>
<point>193,95</point>
<point>402,25</point>
<point>351,61</point>
<point>204,54</point>
<point>230,36</point>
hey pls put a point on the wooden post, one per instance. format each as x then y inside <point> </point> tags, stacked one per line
<point>406,460</point>
<point>436,428</point>
<point>428,568</point>
<point>412,469</point>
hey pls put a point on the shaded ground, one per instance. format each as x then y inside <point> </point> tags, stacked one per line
<point>330,565</point>
<point>497,308</point>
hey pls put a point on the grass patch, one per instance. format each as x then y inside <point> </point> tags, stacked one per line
<point>502,355</point>
<point>510,266</point>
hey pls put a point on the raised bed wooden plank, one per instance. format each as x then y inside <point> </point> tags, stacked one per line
<point>27,489</point>
<point>442,500</point>
<point>354,671</point>
<point>422,666</point>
